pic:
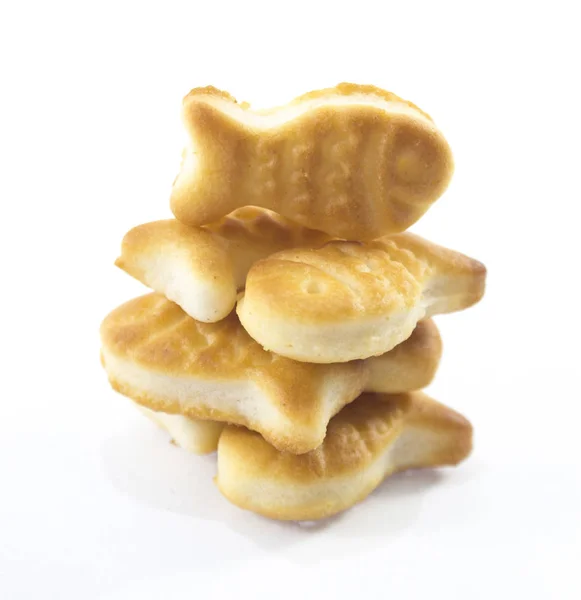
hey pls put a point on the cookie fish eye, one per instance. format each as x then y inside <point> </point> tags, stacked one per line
<point>313,287</point>
<point>416,157</point>
<point>409,166</point>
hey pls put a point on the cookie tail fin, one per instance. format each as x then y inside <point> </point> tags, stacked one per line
<point>432,435</point>
<point>206,187</point>
<point>454,281</point>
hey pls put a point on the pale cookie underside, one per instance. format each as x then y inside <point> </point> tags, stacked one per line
<point>241,402</point>
<point>193,435</point>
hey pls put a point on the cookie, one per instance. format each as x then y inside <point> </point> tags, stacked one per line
<point>354,161</point>
<point>169,363</point>
<point>193,435</point>
<point>350,300</point>
<point>202,268</point>
<point>370,439</point>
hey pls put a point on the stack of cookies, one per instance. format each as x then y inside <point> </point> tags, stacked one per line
<point>289,328</point>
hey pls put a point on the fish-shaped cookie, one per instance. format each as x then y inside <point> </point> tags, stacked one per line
<point>371,438</point>
<point>409,366</point>
<point>163,359</point>
<point>350,300</point>
<point>202,268</point>
<point>354,161</point>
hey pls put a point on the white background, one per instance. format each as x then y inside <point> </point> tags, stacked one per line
<point>94,502</point>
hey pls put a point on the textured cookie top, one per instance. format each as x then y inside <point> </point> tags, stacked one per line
<point>354,161</point>
<point>353,281</point>
<point>341,280</point>
<point>157,335</point>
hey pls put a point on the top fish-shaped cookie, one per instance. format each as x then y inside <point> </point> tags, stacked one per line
<point>354,161</point>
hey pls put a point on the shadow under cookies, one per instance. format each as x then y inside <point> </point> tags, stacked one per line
<point>142,464</point>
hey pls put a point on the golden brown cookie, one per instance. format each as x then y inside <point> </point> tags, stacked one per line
<point>351,300</point>
<point>168,362</point>
<point>354,161</point>
<point>202,268</point>
<point>371,438</point>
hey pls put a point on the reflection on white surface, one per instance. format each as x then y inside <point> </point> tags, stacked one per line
<point>131,514</point>
<point>142,464</point>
